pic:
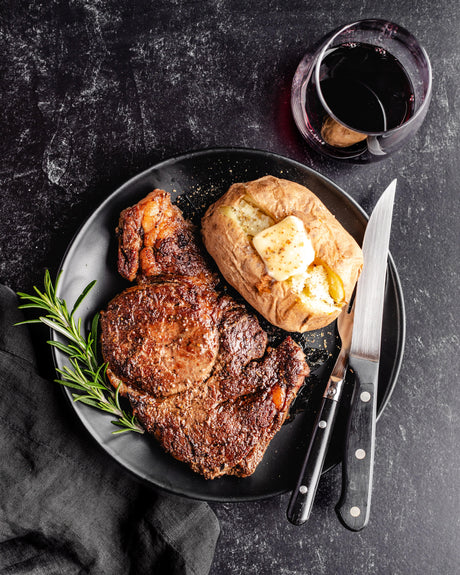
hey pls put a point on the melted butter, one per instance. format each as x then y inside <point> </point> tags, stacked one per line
<point>285,248</point>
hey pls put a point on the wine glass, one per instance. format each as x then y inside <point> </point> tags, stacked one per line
<point>363,92</point>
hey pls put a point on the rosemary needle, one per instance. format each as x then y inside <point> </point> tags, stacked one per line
<point>84,373</point>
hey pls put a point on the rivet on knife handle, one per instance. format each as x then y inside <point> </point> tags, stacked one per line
<point>354,506</point>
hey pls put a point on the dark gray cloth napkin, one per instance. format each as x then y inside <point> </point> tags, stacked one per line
<point>65,506</point>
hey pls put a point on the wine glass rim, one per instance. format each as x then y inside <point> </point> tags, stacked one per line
<point>427,94</point>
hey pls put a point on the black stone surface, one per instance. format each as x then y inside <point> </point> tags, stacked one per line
<point>92,92</point>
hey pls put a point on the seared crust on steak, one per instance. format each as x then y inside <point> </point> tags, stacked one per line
<point>155,240</point>
<point>193,363</point>
<point>161,338</point>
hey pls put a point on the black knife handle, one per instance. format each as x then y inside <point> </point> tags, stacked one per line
<point>358,461</point>
<point>303,495</point>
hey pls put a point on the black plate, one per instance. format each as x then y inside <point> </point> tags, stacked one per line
<point>195,180</point>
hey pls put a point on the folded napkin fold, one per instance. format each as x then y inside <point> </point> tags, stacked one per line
<point>65,506</point>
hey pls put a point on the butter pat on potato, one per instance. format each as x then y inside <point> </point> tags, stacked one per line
<point>284,248</point>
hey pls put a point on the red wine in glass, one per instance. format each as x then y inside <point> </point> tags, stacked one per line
<point>363,92</point>
<point>366,88</point>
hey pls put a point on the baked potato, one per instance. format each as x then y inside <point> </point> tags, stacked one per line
<point>279,246</point>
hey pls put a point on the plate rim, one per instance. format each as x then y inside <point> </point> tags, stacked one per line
<point>399,299</point>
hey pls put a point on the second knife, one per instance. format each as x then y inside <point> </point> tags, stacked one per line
<point>358,462</point>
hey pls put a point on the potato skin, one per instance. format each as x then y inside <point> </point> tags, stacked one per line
<point>243,268</point>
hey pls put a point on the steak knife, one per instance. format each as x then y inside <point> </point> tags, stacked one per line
<point>358,461</point>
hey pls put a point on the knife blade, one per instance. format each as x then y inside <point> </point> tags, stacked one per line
<point>353,508</point>
<point>302,497</point>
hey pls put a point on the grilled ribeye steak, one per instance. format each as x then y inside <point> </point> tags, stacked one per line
<point>194,363</point>
<point>225,426</point>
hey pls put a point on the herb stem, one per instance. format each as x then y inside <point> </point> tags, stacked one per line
<point>84,373</point>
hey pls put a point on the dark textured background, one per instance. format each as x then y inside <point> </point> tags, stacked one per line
<point>92,92</point>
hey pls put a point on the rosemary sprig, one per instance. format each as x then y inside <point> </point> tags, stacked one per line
<point>84,374</point>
